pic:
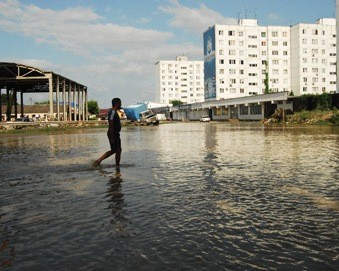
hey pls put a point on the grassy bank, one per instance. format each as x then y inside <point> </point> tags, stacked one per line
<point>314,117</point>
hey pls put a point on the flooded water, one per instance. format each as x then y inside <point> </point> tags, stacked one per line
<point>190,196</point>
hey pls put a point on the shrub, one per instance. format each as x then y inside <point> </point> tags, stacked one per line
<point>334,119</point>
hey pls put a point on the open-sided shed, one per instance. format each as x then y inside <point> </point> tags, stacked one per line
<point>21,79</point>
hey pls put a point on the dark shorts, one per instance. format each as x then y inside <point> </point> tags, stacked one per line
<point>114,142</point>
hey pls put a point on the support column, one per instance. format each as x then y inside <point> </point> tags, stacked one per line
<point>57,97</point>
<point>0,104</point>
<point>86,103</point>
<point>74,104</point>
<point>15,103</point>
<point>22,103</point>
<point>83,102</point>
<point>337,26</point>
<point>50,85</point>
<point>64,100</point>
<point>79,103</point>
<point>69,102</point>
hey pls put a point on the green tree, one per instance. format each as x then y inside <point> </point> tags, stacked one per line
<point>43,102</point>
<point>93,107</point>
<point>266,80</point>
<point>324,102</point>
<point>176,102</point>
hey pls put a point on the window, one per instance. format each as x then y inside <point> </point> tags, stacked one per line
<point>274,43</point>
<point>241,33</point>
<point>233,81</point>
<point>221,61</point>
<point>221,32</point>
<point>231,33</point>
<point>263,34</point>
<point>243,110</point>
<point>285,34</point>
<point>221,71</point>
<point>255,109</point>
<point>232,61</point>
<point>263,43</point>
<point>232,71</point>
<point>275,53</point>
<point>231,42</point>
<point>275,34</point>
<point>285,53</point>
<point>231,52</point>
<point>285,43</point>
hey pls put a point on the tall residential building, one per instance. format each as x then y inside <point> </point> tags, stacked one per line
<point>179,79</point>
<point>248,59</point>
<point>313,51</point>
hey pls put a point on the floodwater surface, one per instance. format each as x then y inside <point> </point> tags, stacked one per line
<point>189,196</point>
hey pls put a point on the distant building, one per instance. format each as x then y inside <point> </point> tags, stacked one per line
<point>313,57</point>
<point>179,79</point>
<point>248,59</point>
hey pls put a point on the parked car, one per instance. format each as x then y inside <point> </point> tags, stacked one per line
<point>24,119</point>
<point>205,118</point>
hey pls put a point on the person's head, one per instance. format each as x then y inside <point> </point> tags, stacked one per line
<point>116,102</point>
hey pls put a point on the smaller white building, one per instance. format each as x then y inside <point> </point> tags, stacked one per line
<point>179,79</point>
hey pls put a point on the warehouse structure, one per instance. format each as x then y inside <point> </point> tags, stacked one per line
<point>67,97</point>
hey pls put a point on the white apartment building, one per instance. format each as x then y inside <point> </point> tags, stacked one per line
<point>238,59</point>
<point>313,51</point>
<point>179,79</point>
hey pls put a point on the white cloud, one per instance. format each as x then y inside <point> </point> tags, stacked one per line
<point>117,59</point>
<point>74,29</point>
<point>273,17</point>
<point>194,20</point>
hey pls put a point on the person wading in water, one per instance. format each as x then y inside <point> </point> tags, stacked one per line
<point>113,133</point>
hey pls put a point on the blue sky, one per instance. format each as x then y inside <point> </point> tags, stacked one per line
<point>111,46</point>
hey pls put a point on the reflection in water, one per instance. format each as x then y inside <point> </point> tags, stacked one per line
<point>195,196</point>
<point>115,198</point>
